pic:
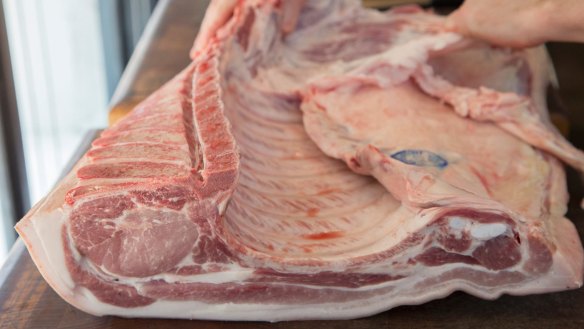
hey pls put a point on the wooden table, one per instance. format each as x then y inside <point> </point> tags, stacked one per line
<point>26,301</point>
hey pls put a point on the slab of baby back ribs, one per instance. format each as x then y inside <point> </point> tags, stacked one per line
<point>365,161</point>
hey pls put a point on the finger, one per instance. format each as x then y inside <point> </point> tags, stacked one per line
<point>290,12</point>
<point>453,23</point>
<point>218,12</point>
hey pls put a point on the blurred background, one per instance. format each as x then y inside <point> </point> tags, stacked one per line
<point>60,61</point>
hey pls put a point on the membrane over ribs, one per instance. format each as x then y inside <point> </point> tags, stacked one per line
<point>365,161</point>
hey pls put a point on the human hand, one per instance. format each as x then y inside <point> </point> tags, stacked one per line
<point>220,11</point>
<point>517,23</point>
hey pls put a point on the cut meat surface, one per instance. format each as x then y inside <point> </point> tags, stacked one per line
<point>367,160</point>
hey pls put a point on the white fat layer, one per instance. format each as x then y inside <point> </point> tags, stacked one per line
<point>217,277</point>
<point>478,231</point>
<point>41,232</point>
<point>403,294</point>
<point>458,223</point>
<point>231,273</point>
<point>52,248</point>
<point>481,231</point>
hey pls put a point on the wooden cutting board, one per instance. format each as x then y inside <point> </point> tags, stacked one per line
<point>26,301</point>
